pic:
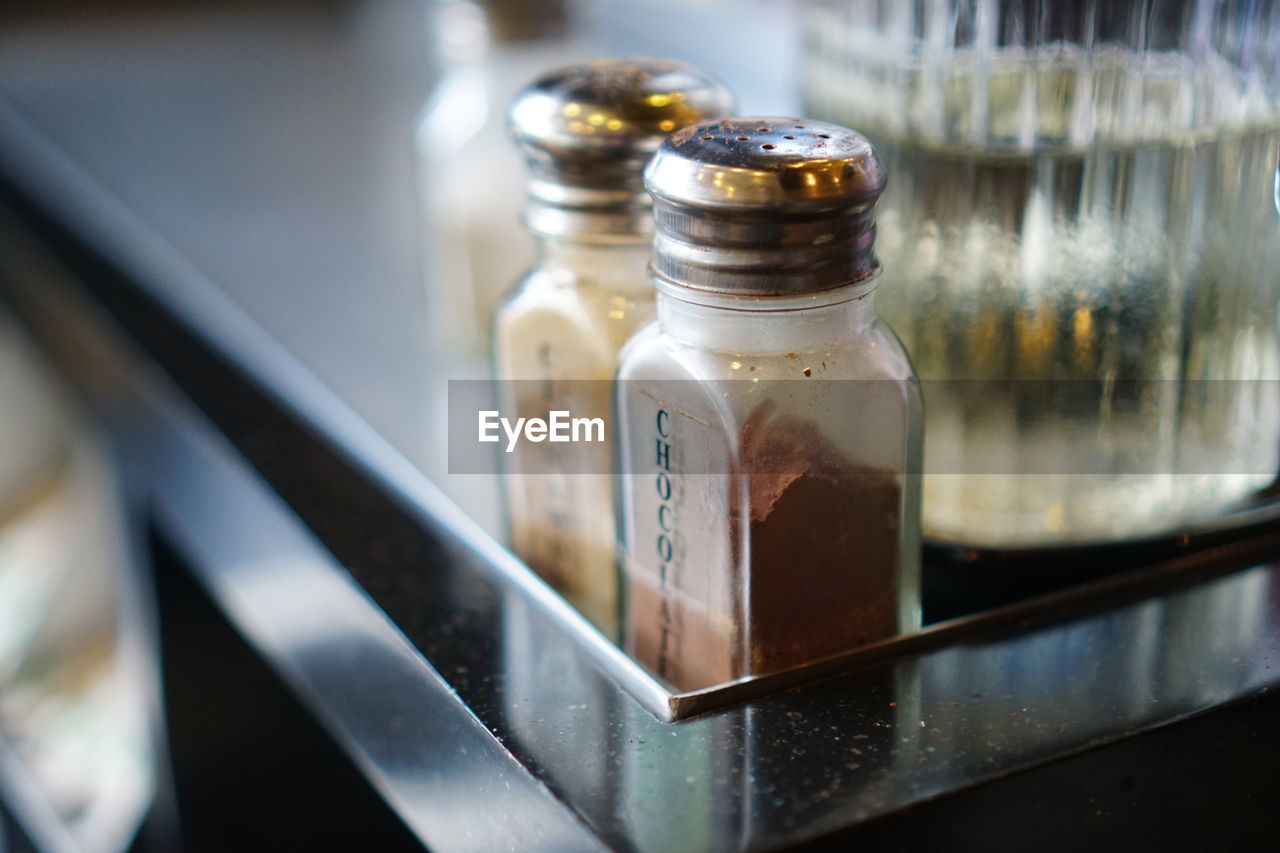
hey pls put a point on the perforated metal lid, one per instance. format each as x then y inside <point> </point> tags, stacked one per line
<point>765,206</point>
<point>588,130</point>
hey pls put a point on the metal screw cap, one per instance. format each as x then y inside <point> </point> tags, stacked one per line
<point>587,132</point>
<point>765,206</point>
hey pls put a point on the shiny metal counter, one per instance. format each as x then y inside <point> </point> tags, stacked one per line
<point>238,307</point>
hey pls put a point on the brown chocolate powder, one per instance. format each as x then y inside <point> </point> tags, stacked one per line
<point>822,545</point>
<point>821,564</point>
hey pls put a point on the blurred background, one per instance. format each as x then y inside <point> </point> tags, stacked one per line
<point>1081,191</point>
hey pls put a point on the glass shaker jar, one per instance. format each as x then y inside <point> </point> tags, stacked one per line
<point>587,132</point>
<point>1082,246</point>
<point>769,421</point>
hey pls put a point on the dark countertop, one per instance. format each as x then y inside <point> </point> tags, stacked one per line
<point>243,181</point>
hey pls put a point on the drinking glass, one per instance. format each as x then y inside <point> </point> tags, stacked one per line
<point>1081,244</point>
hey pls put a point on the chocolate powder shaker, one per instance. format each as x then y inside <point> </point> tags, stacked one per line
<point>769,422</point>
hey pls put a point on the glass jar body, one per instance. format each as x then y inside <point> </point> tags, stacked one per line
<point>557,339</point>
<point>769,501</point>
